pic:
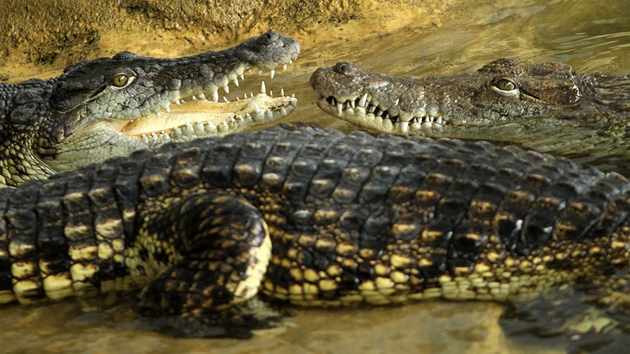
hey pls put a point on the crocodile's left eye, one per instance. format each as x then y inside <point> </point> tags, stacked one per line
<point>121,80</point>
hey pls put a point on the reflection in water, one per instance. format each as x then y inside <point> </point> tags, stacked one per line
<point>586,35</point>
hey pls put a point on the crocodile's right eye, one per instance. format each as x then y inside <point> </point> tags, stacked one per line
<point>505,85</point>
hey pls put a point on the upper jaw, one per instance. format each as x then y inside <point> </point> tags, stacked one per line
<point>385,115</point>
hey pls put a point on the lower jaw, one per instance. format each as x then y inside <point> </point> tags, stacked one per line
<point>206,119</point>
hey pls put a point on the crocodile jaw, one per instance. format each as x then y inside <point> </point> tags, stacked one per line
<point>366,112</point>
<point>197,117</point>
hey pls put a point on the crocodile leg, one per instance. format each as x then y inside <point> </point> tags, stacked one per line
<point>220,256</point>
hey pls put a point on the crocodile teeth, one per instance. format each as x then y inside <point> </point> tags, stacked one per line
<point>225,99</point>
<point>236,81</point>
<point>226,89</point>
<point>263,88</point>
<point>215,96</point>
<point>282,92</point>
<point>194,98</point>
<point>439,120</point>
<point>242,76</point>
<point>272,73</point>
<point>363,100</point>
<point>284,67</point>
<point>353,104</point>
<point>339,108</point>
<point>404,126</point>
<point>167,109</point>
<point>270,93</point>
<point>256,108</point>
<point>202,96</point>
<point>397,101</point>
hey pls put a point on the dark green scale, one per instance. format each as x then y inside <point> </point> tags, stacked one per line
<point>349,219</point>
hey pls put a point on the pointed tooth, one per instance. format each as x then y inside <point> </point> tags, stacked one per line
<point>439,120</point>
<point>272,73</point>
<point>363,100</point>
<point>236,82</point>
<point>282,92</point>
<point>242,76</point>
<point>215,96</point>
<point>256,108</point>
<point>284,67</point>
<point>339,108</point>
<point>202,96</point>
<point>290,61</point>
<point>259,71</point>
<point>237,99</point>
<point>353,104</point>
<point>225,99</point>
<point>167,109</point>
<point>194,98</point>
<point>177,102</point>
<point>263,89</point>
<point>245,94</point>
<point>158,114</point>
<point>397,101</point>
<point>251,94</point>
<point>404,126</point>
<point>293,95</point>
<point>270,93</point>
<point>226,89</point>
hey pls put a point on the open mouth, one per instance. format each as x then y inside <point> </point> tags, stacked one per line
<point>207,113</point>
<point>377,115</point>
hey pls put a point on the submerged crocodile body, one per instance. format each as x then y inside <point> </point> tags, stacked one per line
<point>316,218</point>
<point>546,106</point>
<point>112,106</point>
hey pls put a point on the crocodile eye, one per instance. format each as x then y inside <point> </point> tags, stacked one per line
<point>121,80</point>
<point>505,85</point>
<point>506,88</point>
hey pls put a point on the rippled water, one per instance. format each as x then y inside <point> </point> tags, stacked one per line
<point>588,35</point>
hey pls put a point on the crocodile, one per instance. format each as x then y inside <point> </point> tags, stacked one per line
<point>545,106</point>
<point>112,106</point>
<point>314,217</point>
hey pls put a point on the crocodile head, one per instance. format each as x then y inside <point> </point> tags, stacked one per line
<point>112,106</point>
<point>502,101</point>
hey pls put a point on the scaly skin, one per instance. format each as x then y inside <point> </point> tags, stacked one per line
<point>315,218</point>
<point>109,107</point>
<point>546,106</point>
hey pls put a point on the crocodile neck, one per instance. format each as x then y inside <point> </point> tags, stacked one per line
<point>21,108</point>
